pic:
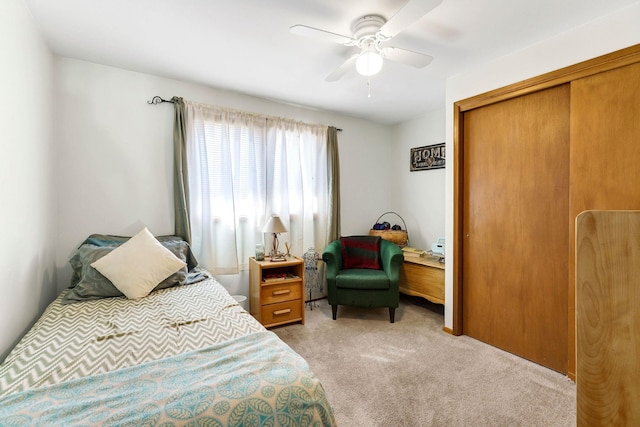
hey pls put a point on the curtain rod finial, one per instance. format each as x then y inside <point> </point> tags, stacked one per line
<point>158,100</point>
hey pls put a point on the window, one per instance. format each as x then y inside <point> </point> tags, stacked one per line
<point>242,168</point>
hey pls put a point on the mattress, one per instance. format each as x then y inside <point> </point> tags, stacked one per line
<point>153,359</point>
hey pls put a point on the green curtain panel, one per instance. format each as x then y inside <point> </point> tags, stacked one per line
<point>334,183</point>
<point>180,183</point>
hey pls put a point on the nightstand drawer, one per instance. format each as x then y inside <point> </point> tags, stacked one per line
<point>281,292</point>
<point>285,312</point>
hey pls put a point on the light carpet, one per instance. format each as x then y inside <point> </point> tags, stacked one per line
<point>411,373</point>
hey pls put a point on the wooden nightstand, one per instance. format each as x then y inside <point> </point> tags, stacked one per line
<point>276,291</point>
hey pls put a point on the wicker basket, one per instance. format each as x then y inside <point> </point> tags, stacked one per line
<point>399,237</point>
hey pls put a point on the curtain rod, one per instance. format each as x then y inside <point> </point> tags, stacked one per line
<point>158,100</point>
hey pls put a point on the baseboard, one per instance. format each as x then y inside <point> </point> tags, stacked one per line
<point>447,330</point>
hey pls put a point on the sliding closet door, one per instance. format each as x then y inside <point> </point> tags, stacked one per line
<point>605,149</point>
<point>515,226</point>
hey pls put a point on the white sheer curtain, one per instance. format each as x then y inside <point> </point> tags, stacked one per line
<point>243,168</point>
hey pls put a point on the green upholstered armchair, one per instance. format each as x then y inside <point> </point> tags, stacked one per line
<point>364,287</point>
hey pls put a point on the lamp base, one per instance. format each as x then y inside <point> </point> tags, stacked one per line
<point>274,249</point>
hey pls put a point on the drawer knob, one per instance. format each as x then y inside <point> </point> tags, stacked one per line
<point>283,311</point>
<point>282,292</point>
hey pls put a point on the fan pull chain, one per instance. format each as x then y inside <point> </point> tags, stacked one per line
<point>368,87</point>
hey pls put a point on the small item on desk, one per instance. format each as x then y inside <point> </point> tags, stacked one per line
<point>278,258</point>
<point>438,256</point>
<point>438,247</point>
<point>413,251</point>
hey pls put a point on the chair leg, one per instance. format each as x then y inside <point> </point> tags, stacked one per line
<point>392,314</point>
<point>334,311</point>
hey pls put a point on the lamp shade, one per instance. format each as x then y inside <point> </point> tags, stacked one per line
<point>369,62</point>
<point>274,225</point>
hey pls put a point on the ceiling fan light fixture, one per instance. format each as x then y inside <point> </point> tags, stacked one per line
<point>369,63</point>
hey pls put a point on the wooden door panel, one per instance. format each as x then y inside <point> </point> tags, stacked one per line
<point>605,153</point>
<point>608,318</point>
<point>515,227</point>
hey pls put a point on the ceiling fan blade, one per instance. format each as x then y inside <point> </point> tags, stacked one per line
<point>303,30</point>
<point>410,13</point>
<point>342,69</point>
<point>415,59</point>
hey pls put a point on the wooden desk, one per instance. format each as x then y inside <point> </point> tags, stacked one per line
<point>423,277</point>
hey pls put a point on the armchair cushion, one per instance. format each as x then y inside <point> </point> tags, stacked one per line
<point>361,278</point>
<point>360,252</point>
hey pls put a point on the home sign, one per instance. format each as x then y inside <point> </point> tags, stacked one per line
<point>428,157</point>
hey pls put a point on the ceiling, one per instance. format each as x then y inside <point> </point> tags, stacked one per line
<point>245,45</point>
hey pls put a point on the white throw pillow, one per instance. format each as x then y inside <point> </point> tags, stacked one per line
<point>138,265</point>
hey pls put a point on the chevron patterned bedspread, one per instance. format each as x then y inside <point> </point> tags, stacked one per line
<point>255,380</point>
<point>178,355</point>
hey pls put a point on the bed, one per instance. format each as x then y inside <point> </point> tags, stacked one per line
<point>184,354</point>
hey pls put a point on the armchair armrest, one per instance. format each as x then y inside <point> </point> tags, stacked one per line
<point>332,256</point>
<point>392,258</point>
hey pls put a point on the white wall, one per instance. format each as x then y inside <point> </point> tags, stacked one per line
<point>115,155</point>
<point>26,177</point>
<point>419,196</point>
<point>607,34</point>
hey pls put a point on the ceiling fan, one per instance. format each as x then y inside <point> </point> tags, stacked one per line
<point>370,33</point>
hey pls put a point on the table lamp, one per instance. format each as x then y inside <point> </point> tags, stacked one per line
<point>275,227</point>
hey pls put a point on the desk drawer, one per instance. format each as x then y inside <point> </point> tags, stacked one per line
<point>274,314</point>
<point>281,292</point>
